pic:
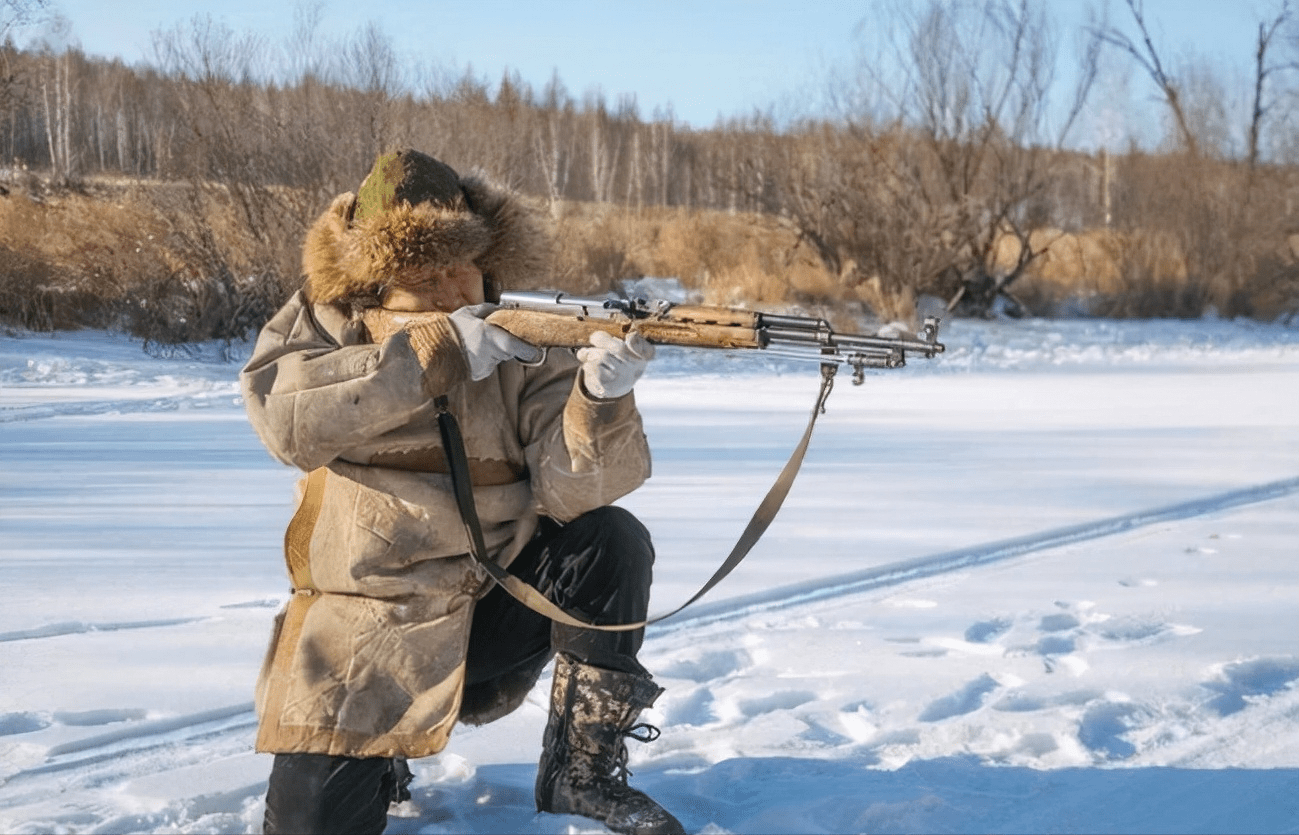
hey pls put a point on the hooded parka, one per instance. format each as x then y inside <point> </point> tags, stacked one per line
<point>368,657</point>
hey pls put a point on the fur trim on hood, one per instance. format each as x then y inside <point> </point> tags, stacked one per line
<point>352,261</point>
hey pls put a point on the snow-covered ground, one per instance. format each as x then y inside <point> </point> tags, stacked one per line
<point>1045,583</point>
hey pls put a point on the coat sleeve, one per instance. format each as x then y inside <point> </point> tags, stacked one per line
<point>310,395</point>
<point>582,453</point>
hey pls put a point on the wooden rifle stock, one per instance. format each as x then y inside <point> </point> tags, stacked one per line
<point>560,330</point>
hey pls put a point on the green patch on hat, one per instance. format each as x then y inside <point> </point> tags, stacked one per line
<point>406,176</point>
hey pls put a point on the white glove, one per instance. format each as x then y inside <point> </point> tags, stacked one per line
<point>487,346</point>
<point>611,366</point>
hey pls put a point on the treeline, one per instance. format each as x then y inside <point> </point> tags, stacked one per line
<point>206,113</point>
<point>945,171</point>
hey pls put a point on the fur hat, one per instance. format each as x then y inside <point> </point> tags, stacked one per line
<point>412,211</point>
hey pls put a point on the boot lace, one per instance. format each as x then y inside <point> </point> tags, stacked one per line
<point>641,732</point>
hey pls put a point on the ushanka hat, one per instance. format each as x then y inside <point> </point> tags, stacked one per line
<point>414,211</point>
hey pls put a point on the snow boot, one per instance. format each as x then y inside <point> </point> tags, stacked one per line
<point>583,768</point>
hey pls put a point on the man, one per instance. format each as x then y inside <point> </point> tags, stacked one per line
<point>394,633</point>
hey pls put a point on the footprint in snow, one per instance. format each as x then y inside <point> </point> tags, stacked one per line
<point>707,666</point>
<point>1103,727</point>
<point>1027,703</point>
<point>987,631</point>
<point>1060,631</point>
<point>1137,630</point>
<point>694,708</point>
<point>1059,622</point>
<point>24,722</point>
<point>1059,642</point>
<point>1239,683</point>
<point>780,700</point>
<point>968,699</point>
<point>1056,645</point>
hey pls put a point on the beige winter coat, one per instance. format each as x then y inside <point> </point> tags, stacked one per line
<point>368,657</point>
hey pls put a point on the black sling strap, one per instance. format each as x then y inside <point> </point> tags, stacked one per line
<point>458,464</point>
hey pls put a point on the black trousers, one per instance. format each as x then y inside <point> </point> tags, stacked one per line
<point>599,565</point>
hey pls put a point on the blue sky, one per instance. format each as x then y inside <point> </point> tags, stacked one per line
<point>705,58</point>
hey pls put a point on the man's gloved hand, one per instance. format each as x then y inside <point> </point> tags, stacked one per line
<point>487,346</point>
<point>611,366</point>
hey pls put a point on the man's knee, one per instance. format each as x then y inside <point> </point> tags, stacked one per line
<point>612,530</point>
<point>601,555</point>
<point>601,565</point>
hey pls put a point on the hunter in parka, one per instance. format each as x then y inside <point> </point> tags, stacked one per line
<point>368,659</point>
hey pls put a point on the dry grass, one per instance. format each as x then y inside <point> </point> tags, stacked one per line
<point>1142,275</point>
<point>71,256</point>
<point>729,258</point>
<point>172,264</point>
<point>158,261</point>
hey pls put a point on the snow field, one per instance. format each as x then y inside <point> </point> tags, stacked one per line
<point>1102,638</point>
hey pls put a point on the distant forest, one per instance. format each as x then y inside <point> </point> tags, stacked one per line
<point>950,173</point>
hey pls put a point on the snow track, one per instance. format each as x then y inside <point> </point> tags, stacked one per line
<point>56,630</point>
<point>145,739</point>
<point>195,397</point>
<point>180,754</point>
<point>898,573</point>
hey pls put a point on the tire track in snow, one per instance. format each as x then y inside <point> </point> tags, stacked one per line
<point>76,627</point>
<point>201,398</point>
<point>897,573</point>
<point>123,748</point>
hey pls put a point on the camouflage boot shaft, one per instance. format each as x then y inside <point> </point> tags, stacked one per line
<point>583,768</point>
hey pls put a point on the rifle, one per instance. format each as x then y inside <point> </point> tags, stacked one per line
<point>552,319</point>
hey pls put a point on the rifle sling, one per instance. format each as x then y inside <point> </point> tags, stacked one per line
<point>458,464</point>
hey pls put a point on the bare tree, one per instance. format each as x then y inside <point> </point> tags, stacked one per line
<point>942,153</point>
<point>1264,69</point>
<point>18,13</point>
<point>303,53</point>
<point>604,148</point>
<point>553,142</point>
<point>231,155</point>
<point>370,64</point>
<point>56,95</point>
<point>1147,57</point>
<point>1195,97</point>
<point>14,14</point>
<point>1226,221</point>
